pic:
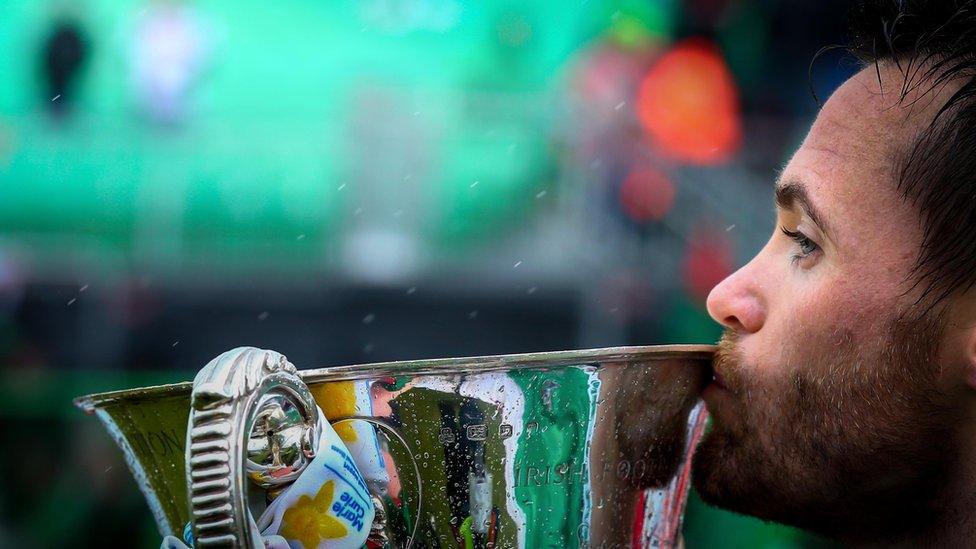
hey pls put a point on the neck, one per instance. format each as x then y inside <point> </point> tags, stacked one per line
<point>953,522</point>
<point>955,527</point>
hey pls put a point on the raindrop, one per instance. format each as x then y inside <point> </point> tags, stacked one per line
<point>619,106</point>
<point>71,301</point>
<point>55,98</point>
<point>729,228</point>
<point>472,315</point>
<point>264,315</point>
<point>358,211</point>
<point>369,318</point>
<point>83,288</point>
<point>411,290</point>
<point>475,184</point>
<point>300,237</point>
<point>540,194</point>
<point>175,343</point>
<point>531,290</point>
<point>343,186</point>
<point>517,263</point>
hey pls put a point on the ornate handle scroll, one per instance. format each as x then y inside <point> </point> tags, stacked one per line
<point>249,412</point>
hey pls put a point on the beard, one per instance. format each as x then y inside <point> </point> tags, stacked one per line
<point>850,441</point>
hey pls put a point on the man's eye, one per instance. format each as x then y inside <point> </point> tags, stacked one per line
<point>806,245</point>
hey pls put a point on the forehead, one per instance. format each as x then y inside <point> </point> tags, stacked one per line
<point>850,159</point>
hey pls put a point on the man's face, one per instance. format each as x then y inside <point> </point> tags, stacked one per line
<point>839,403</point>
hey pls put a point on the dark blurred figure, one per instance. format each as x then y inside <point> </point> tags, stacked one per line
<point>63,55</point>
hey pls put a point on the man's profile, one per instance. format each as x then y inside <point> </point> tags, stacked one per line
<point>845,384</point>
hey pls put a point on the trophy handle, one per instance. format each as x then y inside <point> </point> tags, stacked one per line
<point>227,393</point>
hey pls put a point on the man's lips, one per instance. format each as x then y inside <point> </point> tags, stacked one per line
<point>717,380</point>
<point>714,389</point>
<point>714,377</point>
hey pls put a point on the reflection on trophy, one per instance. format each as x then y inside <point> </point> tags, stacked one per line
<point>564,449</point>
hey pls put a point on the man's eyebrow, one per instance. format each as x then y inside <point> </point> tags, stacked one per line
<point>794,192</point>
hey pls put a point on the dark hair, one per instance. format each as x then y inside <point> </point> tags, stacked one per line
<point>932,43</point>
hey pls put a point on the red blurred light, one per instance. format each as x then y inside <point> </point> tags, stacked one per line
<point>608,75</point>
<point>688,103</point>
<point>646,194</point>
<point>709,261</point>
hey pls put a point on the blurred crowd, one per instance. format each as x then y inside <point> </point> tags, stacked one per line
<point>350,182</point>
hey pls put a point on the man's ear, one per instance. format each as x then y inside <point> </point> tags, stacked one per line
<point>959,345</point>
<point>969,359</point>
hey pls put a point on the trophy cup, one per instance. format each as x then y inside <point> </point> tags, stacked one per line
<point>559,449</point>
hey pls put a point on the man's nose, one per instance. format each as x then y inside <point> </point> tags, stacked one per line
<point>735,304</point>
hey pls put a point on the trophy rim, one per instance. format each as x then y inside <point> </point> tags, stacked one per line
<point>441,366</point>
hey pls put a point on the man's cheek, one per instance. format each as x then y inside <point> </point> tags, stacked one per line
<point>857,300</point>
<point>823,324</point>
<point>760,354</point>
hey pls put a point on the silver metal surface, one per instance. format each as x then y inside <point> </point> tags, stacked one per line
<point>566,449</point>
<point>281,442</point>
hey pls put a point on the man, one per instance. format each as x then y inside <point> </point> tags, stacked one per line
<point>845,384</point>
<point>63,56</point>
<point>169,49</point>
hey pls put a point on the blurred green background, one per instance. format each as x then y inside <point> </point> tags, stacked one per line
<point>360,181</point>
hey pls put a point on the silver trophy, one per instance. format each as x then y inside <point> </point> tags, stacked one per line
<point>561,449</point>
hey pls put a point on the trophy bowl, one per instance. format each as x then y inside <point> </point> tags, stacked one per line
<point>583,448</point>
